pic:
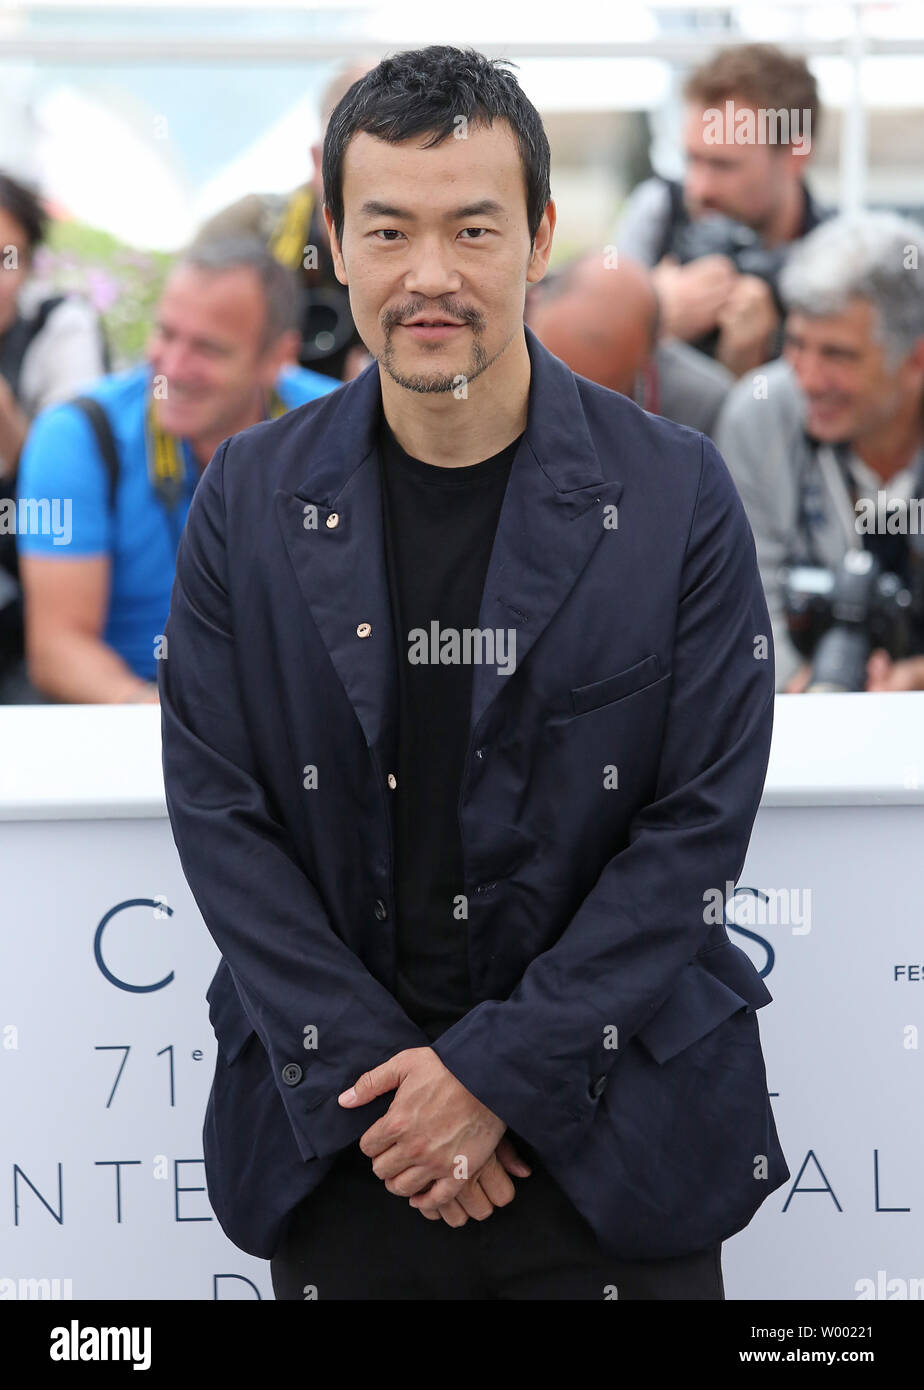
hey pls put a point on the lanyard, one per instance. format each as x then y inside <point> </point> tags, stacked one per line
<point>168,473</point>
<point>843,489</point>
<point>834,467</point>
<point>290,239</point>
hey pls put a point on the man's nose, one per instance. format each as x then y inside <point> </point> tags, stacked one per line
<point>810,371</point>
<point>170,360</point>
<point>698,186</point>
<point>432,273</point>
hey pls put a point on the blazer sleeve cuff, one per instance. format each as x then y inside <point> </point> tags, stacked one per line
<point>362,1040</point>
<point>552,1111</point>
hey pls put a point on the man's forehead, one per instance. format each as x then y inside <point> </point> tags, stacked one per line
<point>855,320</point>
<point>225,305</point>
<point>373,163</point>
<point>720,133</point>
<point>232,283</point>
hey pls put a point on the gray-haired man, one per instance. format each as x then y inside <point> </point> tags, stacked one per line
<point>833,435</point>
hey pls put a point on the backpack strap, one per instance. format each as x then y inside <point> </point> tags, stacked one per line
<point>676,215</point>
<point>40,317</point>
<point>105,440</point>
<point>18,337</point>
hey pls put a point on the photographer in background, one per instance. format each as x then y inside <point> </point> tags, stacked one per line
<point>51,345</point>
<point>289,225</point>
<point>719,240</point>
<point>826,449</point>
<point>604,322</point>
<point>125,460</point>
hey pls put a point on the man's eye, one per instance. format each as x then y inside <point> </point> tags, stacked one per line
<point>388,232</point>
<point>475,229</point>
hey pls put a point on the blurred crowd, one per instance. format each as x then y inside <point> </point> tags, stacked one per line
<point>728,301</point>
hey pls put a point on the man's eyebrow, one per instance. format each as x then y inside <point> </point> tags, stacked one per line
<point>489,207</point>
<point>197,342</point>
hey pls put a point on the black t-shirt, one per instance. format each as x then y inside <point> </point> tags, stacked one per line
<point>439,531</point>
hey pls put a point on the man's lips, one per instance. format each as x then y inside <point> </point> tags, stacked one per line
<point>176,392</point>
<point>443,329</point>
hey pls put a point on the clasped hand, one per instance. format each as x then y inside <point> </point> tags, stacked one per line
<point>436,1144</point>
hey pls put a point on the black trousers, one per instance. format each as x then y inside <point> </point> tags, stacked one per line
<point>353,1239</point>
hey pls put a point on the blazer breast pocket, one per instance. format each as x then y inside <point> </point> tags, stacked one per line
<point>616,687</point>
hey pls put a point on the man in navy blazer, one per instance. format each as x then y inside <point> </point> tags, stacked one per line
<point>462,874</point>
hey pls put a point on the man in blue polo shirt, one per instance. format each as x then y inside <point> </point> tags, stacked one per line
<point>97,579</point>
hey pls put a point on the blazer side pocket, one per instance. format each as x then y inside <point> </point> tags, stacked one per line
<point>701,1001</point>
<point>626,682</point>
<point>230,1024</point>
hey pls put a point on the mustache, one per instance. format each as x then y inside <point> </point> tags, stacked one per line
<point>398,316</point>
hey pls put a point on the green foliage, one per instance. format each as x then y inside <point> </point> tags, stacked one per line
<point>123,283</point>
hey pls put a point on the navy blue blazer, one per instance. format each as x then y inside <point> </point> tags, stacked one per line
<point>610,788</point>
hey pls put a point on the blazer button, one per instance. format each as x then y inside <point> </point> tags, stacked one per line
<point>291,1073</point>
<point>333,520</point>
<point>363,630</point>
<point>380,910</point>
<point>392,780</point>
<point>598,1087</point>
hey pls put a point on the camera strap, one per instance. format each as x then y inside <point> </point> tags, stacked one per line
<point>835,469</point>
<point>289,240</point>
<point>834,473</point>
<point>166,460</point>
<point>901,552</point>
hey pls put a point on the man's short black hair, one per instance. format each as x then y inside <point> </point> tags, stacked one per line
<point>24,204</point>
<point>427,90</point>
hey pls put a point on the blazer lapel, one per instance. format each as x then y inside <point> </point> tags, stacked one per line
<point>332,528</point>
<point>551,521</point>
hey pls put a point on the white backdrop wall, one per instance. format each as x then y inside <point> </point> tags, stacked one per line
<point>106,1051</point>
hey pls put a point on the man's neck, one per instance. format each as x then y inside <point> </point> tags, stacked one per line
<point>895,444</point>
<point>453,431</point>
<point>203,448</point>
<point>787,221</point>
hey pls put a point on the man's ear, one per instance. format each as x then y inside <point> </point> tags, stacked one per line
<point>283,353</point>
<point>799,151</point>
<point>915,358</point>
<point>542,245</point>
<point>336,254</point>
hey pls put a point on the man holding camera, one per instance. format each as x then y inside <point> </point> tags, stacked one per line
<point>294,230</point>
<point>827,451</point>
<point>719,240</point>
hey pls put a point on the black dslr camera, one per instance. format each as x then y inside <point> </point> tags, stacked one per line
<point>327,327</point>
<point>837,617</point>
<point>718,235</point>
